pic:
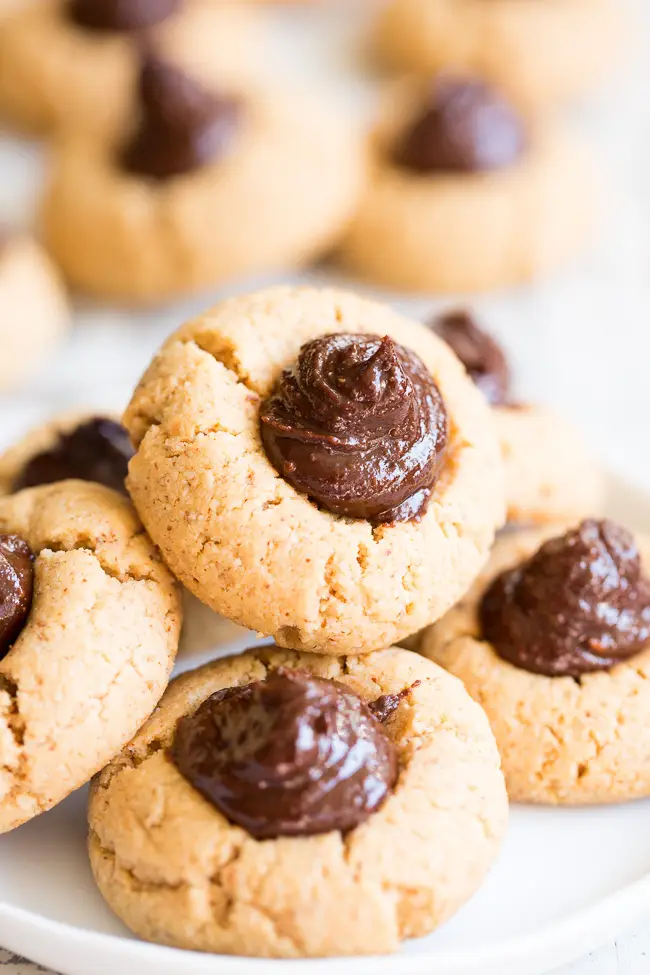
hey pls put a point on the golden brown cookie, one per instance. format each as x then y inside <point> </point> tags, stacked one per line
<point>34,312</point>
<point>95,651</point>
<point>512,200</point>
<point>248,543</point>
<point>178,872</point>
<point>542,54</point>
<point>280,178</point>
<point>550,474</point>
<point>56,74</point>
<point>70,446</point>
<point>570,738</point>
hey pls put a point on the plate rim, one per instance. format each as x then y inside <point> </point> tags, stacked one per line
<point>534,952</point>
<point>584,930</point>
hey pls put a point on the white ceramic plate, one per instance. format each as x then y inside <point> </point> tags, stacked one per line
<point>568,880</point>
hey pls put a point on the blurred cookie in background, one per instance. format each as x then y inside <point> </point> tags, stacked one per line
<point>74,65</point>
<point>542,54</point>
<point>468,193</point>
<point>203,188</point>
<point>34,313</point>
<point>550,474</point>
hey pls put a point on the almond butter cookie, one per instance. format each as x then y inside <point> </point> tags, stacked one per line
<point>73,64</point>
<point>89,628</point>
<point>34,313</point>
<point>73,446</point>
<point>294,805</point>
<point>315,467</point>
<point>95,447</point>
<point>206,188</point>
<point>550,474</point>
<point>466,193</point>
<point>542,54</point>
<point>554,643</point>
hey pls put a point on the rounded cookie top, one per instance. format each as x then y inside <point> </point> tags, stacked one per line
<point>580,736</point>
<point>187,876</point>
<point>71,446</point>
<point>551,475</point>
<point>254,547</point>
<point>95,651</point>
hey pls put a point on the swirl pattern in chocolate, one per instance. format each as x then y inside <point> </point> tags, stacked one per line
<point>16,588</point>
<point>292,755</point>
<point>359,425</point>
<point>483,358</point>
<point>120,15</point>
<point>464,127</point>
<point>579,604</point>
<point>183,125</point>
<point>97,450</point>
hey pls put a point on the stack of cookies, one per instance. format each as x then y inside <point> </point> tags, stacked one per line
<point>317,468</point>
<point>444,619</point>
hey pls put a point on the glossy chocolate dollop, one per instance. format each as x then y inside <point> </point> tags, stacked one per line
<point>121,15</point>
<point>183,126</point>
<point>292,755</point>
<point>579,604</point>
<point>359,425</point>
<point>97,450</point>
<point>16,588</point>
<point>483,358</point>
<point>464,126</point>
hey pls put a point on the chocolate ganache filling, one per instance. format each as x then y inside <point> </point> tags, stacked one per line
<point>483,358</point>
<point>16,588</point>
<point>183,126</point>
<point>120,15</point>
<point>359,425</point>
<point>386,705</point>
<point>464,126</point>
<point>292,755</point>
<point>97,450</point>
<point>579,604</point>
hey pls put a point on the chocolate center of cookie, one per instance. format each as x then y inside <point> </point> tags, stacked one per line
<point>463,127</point>
<point>292,755</point>
<point>483,358</point>
<point>121,15</point>
<point>359,425</point>
<point>97,450</point>
<point>183,126</point>
<point>580,604</point>
<point>386,705</point>
<point>16,587</point>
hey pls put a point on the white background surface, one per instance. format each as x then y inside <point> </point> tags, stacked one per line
<point>581,342</point>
